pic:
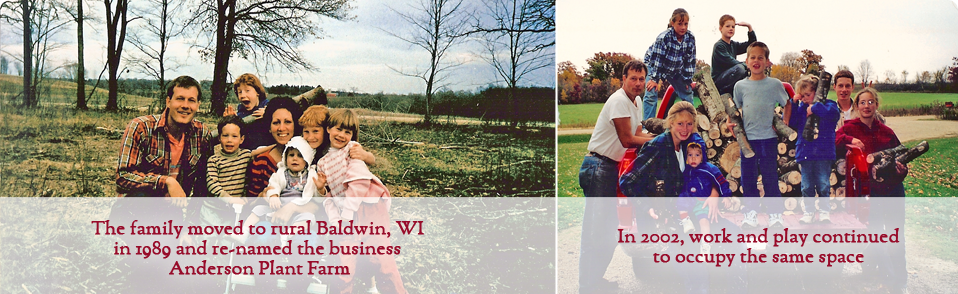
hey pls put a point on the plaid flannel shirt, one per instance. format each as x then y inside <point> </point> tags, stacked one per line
<point>144,161</point>
<point>668,57</point>
<point>656,162</point>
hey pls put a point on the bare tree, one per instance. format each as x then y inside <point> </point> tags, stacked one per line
<point>925,77</point>
<point>516,41</point>
<point>890,77</point>
<point>266,33</point>
<point>865,70</point>
<point>116,23</point>
<point>939,77</point>
<point>162,22</point>
<point>438,25</point>
<point>792,60</point>
<point>80,18</point>
<point>904,76</point>
<point>842,67</point>
<point>40,21</point>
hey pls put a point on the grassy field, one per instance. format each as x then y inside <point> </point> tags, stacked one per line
<point>62,152</point>
<point>584,115</point>
<point>63,93</point>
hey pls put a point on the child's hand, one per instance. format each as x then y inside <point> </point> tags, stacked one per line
<point>727,202</point>
<point>652,214</point>
<point>274,202</point>
<point>357,152</point>
<point>229,111</point>
<point>259,112</point>
<point>236,200</point>
<point>858,143</point>
<point>809,110</point>
<point>320,181</point>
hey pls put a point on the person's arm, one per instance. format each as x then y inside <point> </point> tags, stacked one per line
<point>742,48</point>
<point>653,61</point>
<point>635,182</point>
<point>689,55</point>
<point>213,179</point>
<point>128,174</point>
<point>357,152</point>
<point>623,129</point>
<point>842,139</point>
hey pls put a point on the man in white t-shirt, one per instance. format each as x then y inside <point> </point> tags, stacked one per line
<point>618,128</point>
<point>844,85</point>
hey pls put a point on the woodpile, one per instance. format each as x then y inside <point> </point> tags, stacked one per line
<point>725,147</point>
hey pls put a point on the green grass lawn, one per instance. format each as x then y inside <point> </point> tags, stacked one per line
<point>584,115</point>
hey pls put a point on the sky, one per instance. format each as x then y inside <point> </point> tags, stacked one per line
<point>353,54</point>
<point>892,35</point>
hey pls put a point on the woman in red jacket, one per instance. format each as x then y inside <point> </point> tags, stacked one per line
<point>887,203</point>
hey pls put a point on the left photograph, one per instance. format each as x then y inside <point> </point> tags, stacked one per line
<point>196,146</point>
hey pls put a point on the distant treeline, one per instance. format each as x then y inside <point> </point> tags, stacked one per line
<point>492,104</point>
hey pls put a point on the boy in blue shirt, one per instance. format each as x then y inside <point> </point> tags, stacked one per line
<point>815,157</point>
<point>756,98</point>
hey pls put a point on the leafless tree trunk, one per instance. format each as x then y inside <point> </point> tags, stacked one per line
<point>116,23</point>
<point>516,41</point>
<point>263,32</point>
<point>79,18</point>
<point>40,21</point>
<point>161,24</point>
<point>864,70</point>
<point>438,25</point>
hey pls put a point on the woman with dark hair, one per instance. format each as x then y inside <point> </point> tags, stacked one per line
<point>282,114</point>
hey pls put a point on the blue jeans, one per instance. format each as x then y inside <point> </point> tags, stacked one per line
<point>725,82</point>
<point>599,178</point>
<point>650,100</point>
<point>815,175</point>
<point>764,162</point>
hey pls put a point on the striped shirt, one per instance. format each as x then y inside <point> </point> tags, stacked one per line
<point>669,58</point>
<point>227,172</point>
<point>144,162</point>
<point>262,167</point>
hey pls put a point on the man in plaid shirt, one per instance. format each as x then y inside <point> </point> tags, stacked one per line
<point>162,155</point>
<point>670,58</point>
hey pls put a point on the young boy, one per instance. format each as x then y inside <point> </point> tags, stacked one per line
<point>291,183</point>
<point>756,98</point>
<point>702,180</point>
<point>815,157</point>
<point>726,70</point>
<point>226,169</point>
<point>356,195</point>
<point>252,97</point>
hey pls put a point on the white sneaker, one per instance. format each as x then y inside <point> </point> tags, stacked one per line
<point>751,220</point>
<point>705,248</point>
<point>775,220</point>
<point>823,216</point>
<point>687,225</point>
<point>807,218</point>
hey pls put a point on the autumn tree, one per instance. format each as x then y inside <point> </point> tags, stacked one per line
<point>162,21</point>
<point>266,33</point>
<point>810,63</point>
<point>569,81</point>
<point>603,65</point>
<point>785,73</point>
<point>438,26</point>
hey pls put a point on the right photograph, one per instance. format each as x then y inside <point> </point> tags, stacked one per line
<point>751,147</point>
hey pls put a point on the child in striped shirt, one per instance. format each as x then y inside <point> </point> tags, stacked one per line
<point>226,175</point>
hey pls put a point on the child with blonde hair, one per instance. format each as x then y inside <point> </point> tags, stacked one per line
<point>815,157</point>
